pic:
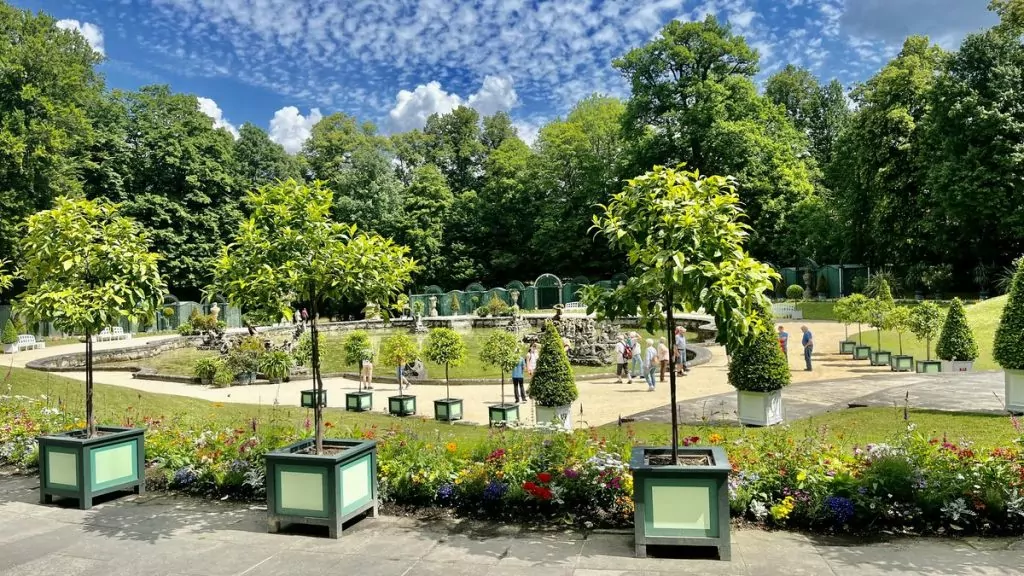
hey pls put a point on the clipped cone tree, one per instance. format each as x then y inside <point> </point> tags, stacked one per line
<point>956,343</point>
<point>1009,343</point>
<point>553,383</point>
<point>759,365</point>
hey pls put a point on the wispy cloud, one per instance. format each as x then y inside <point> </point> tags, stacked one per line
<point>91,32</point>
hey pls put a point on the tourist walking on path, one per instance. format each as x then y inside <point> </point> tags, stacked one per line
<point>681,367</point>
<point>636,366</point>
<point>784,341</point>
<point>808,342</point>
<point>517,380</point>
<point>366,375</point>
<point>663,355</point>
<point>531,360</point>
<point>403,382</point>
<point>650,364</point>
<point>621,370</point>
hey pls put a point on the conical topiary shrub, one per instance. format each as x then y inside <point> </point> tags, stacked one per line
<point>956,343</point>
<point>553,382</point>
<point>1009,343</point>
<point>759,366</point>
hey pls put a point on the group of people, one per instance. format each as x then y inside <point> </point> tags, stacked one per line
<point>807,341</point>
<point>634,361</point>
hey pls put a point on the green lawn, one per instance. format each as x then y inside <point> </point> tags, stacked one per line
<point>983,318</point>
<point>817,310</point>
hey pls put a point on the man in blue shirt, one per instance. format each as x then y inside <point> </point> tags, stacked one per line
<point>517,380</point>
<point>808,342</point>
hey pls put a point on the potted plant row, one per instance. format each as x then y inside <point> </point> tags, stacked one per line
<point>1009,343</point>
<point>878,311</point>
<point>358,349</point>
<point>925,324</point>
<point>445,346</point>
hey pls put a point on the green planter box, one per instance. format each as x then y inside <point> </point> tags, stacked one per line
<point>402,405</point>
<point>1014,391</point>
<point>448,409</point>
<point>902,363</point>
<point>73,466</point>
<point>307,398</point>
<point>502,414</point>
<point>847,347</point>
<point>321,490</point>
<point>358,401</point>
<point>862,352</point>
<point>881,358</point>
<point>929,366</point>
<point>681,505</point>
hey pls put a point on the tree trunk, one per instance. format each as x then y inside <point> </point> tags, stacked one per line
<point>318,383</point>
<point>860,335</point>
<point>502,386</point>
<point>879,338</point>
<point>447,383</point>
<point>672,380</point>
<point>90,418</point>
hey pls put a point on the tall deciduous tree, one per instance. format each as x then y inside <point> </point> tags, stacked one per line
<point>87,268</point>
<point>290,249</point>
<point>427,204</point>
<point>819,111</point>
<point>260,161</point>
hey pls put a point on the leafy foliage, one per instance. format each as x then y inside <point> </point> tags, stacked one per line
<point>445,346</point>
<point>9,335</point>
<point>501,349</point>
<point>553,383</point>
<point>357,347</point>
<point>276,364</point>
<point>899,322</point>
<point>1009,342</point>
<point>398,349</point>
<point>794,292</point>
<point>925,323</point>
<point>957,340</point>
<point>759,365</point>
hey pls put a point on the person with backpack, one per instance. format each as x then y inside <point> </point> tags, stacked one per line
<point>621,360</point>
<point>636,355</point>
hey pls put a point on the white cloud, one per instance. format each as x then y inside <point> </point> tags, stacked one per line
<point>528,131</point>
<point>210,108</point>
<point>290,128</point>
<point>412,109</point>
<point>91,32</point>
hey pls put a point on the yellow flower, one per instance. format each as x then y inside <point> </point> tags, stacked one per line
<point>715,438</point>
<point>451,446</point>
<point>801,476</point>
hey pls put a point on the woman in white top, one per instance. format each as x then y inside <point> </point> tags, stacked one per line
<point>366,376</point>
<point>531,359</point>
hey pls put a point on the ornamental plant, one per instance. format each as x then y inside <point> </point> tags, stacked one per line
<point>397,350</point>
<point>206,368</point>
<point>9,335</point>
<point>795,292</point>
<point>553,383</point>
<point>841,311</point>
<point>879,308</point>
<point>356,347</point>
<point>276,365</point>
<point>1009,342</point>
<point>759,365</point>
<point>899,322</point>
<point>501,349</point>
<point>858,308</point>
<point>445,346</point>
<point>956,343</point>
<point>925,323</point>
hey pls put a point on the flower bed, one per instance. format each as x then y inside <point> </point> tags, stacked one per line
<point>913,484</point>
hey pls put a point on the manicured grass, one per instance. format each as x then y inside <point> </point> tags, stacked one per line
<point>983,318</point>
<point>817,310</point>
<point>178,362</point>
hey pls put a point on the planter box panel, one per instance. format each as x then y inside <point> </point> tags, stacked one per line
<point>1015,391</point>
<point>555,415</point>
<point>356,485</point>
<point>448,409</point>
<point>62,468</point>
<point>957,367</point>
<point>759,408</point>
<point>503,413</point>
<point>929,367</point>
<point>301,491</point>
<point>881,358</point>
<point>847,347</point>
<point>862,353</point>
<point>359,401</point>
<point>681,508</point>
<point>113,465</point>
<point>73,466</point>
<point>402,405</point>
<point>902,363</point>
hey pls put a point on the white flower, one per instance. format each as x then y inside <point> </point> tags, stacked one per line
<point>758,509</point>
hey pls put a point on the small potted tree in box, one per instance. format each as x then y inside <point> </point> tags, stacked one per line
<point>899,322</point>
<point>88,267</point>
<point>9,338</point>
<point>878,312</point>
<point>843,314</point>
<point>957,348</point>
<point>357,348</point>
<point>289,249</point>
<point>445,346</point>
<point>1009,343</point>
<point>397,350</point>
<point>553,386</point>
<point>925,323</point>
<point>759,371</point>
<point>683,235</point>
<point>501,349</point>
<point>860,313</point>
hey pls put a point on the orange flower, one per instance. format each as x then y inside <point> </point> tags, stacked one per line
<point>328,425</point>
<point>715,438</point>
<point>451,447</point>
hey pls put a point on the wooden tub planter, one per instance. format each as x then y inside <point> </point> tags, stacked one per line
<point>956,366</point>
<point>684,505</point>
<point>502,414</point>
<point>902,363</point>
<point>448,409</point>
<point>881,358</point>
<point>1015,391</point>
<point>928,366</point>
<point>847,347</point>
<point>358,401</point>
<point>402,405</point>
<point>759,408</point>
<point>321,490</point>
<point>74,466</point>
<point>862,352</point>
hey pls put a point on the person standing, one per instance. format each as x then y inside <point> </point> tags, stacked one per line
<point>403,382</point>
<point>531,360</point>
<point>366,377</point>
<point>305,316</point>
<point>517,380</point>
<point>620,359</point>
<point>637,362</point>
<point>681,368</point>
<point>663,355</point>
<point>808,342</point>
<point>784,341</point>
<point>650,364</point>
<point>297,317</point>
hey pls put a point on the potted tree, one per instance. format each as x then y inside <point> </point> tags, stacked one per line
<point>205,369</point>
<point>899,322</point>
<point>397,350</point>
<point>501,349</point>
<point>759,371</point>
<point>455,305</point>
<point>445,346</point>
<point>289,249</point>
<point>957,348</point>
<point>683,235</point>
<point>843,314</point>
<point>1009,343</point>
<point>9,338</point>
<point>276,365</point>
<point>356,348</point>
<point>88,267</point>
<point>859,310</point>
<point>553,386</point>
<point>925,323</point>
<point>878,313</point>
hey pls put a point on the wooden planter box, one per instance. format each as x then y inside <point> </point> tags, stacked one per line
<point>902,363</point>
<point>928,367</point>
<point>306,399</point>
<point>881,358</point>
<point>681,505</point>
<point>957,366</point>
<point>402,405</point>
<point>502,414</point>
<point>847,347</point>
<point>358,401</point>
<point>759,408</point>
<point>1015,391</point>
<point>448,409</point>
<point>325,490</point>
<point>862,352</point>
<point>555,415</point>
<point>73,466</point>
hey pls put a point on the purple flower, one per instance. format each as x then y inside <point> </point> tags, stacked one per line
<point>446,492</point>
<point>183,477</point>
<point>840,508</point>
<point>571,473</point>
<point>495,490</point>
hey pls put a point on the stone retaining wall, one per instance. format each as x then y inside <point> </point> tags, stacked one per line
<point>75,361</point>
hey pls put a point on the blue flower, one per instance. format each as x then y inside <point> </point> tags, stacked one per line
<point>446,492</point>
<point>495,490</point>
<point>183,477</point>
<point>840,508</point>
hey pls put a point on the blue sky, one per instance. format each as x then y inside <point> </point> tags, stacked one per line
<point>281,64</point>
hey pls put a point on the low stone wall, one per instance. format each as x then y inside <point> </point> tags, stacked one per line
<point>75,361</point>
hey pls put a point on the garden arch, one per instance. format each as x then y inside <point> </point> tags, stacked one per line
<point>549,291</point>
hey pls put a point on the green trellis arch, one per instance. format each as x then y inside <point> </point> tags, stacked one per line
<point>476,287</point>
<point>549,291</point>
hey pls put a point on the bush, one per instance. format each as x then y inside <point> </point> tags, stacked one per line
<point>186,330</point>
<point>276,364</point>
<point>9,335</point>
<point>206,368</point>
<point>482,311</point>
<point>456,305</point>
<point>398,349</point>
<point>925,323</point>
<point>223,378</point>
<point>498,307</point>
<point>795,292</point>
<point>356,347</point>
<point>553,382</point>
<point>957,341</point>
<point>1009,343</point>
<point>759,366</point>
<point>303,351</point>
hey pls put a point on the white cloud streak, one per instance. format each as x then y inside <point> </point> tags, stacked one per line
<point>91,32</point>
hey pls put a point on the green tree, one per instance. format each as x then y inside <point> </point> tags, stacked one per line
<point>684,235</point>
<point>397,350</point>
<point>260,161</point>
<point>501,349</point>
<point>858,308</point>
<point>10,336</point>
<point>1009,342</point>
<point>455,147</point>
<point>498,129</point>
<point>427,204</point>
<point>87,267</point>
<point>925,323</point>
<point>1011,13</point>
<point>759,365</point>
<point>899,322</point>
<point>819,111</point>
<point>445,346</point>
<point>553,383</point>
<point>290,249</point>
<point>504,217</point>
<point>357,347</point>
<point>879,309</point>
<point>956,343</point>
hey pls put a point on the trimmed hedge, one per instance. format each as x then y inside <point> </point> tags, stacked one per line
<point>1009,343</point>
<point>794,292</point>
<point>9,335</point>
<point>957,341</point>
<point>553,382</point>
<point>759,366</point>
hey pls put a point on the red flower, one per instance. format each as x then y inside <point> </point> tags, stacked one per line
<point>544,477</point>
<point>529,487</point>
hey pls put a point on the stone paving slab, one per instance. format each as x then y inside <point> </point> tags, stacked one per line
<point>166,535</point>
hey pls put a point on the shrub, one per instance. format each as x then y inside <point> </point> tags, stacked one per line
<point>957,341</point>
<point>925,323</point>
<point>223,378</point>
<point>553,382</point>
<point>794,292</point>
<point>417,308</point>
<point>186,330</point>
<point>357,347</point>
<point>456,305</point>
<point>1009,343</point>
<point>303,351</point>
<point>9,335</point>
<point>398,349</point>
<point>206,368</point>
<point>445,346</point>
<point>899,322</point>
<point>482,311</point>
<point>760,365</point>
<point>497,306</point>
<point>168,312</point>
<point>276,364</point>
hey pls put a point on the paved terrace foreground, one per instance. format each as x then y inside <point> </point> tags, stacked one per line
<point>158,534</point>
